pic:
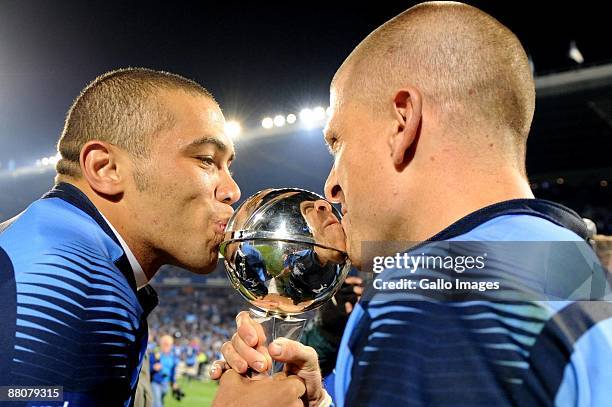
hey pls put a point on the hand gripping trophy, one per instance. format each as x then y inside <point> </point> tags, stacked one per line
<point>285,253</point>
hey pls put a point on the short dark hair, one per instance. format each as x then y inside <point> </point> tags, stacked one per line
<point>120,107</point>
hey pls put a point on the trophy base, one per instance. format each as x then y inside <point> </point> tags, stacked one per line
<point>277,326</point>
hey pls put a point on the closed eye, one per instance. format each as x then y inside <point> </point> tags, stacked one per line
<point>207,160</point>
<point>331,143</point>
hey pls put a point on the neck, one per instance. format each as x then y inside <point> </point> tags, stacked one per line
<point>121,219</point>
<point>455,191</point>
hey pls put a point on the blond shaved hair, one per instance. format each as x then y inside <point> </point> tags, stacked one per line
<point>121,107</point>
<point>465,63</point>
<point>166,338</point>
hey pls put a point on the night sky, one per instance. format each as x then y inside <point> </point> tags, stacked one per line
<point>257,59</point>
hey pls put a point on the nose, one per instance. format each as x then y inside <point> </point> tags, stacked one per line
<point>333,191</point>
<point>228,190</point>
<point>322,205</point>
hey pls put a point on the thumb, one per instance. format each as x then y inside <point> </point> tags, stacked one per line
<point>230,377</point>
<point>292,352</point>
<point>302,361</point>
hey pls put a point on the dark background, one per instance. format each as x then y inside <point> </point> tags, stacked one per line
<point>257,58</point>
<point>266,58</point>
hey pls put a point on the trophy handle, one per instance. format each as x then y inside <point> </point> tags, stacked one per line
<point>277,326</point>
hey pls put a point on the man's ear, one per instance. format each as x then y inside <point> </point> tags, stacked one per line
<point>100,168</point>
<point>407,107</point>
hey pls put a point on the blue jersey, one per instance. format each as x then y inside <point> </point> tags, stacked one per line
<point>70,314</point>
<point>434,351</point>
<point>191,355</point>
<point>168,363</point>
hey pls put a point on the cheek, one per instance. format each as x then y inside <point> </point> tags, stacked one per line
<point>186,203</point>
<point>199,184</point>
<point>355,176</point>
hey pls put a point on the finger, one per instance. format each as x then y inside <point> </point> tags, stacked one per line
<point>348,307</point>
<point>232,358</point>
<point>261,335</point>
<point>251,356</point>
<point>231,377</point>
<point>217,369</point>
<point>245,329</point>
<point>288,351</point>
<point>250,331</point>
<point>358,290</point>
<point>353,280</point>
<point>268,359</point>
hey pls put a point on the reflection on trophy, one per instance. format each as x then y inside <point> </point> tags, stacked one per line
<point>285,253</point>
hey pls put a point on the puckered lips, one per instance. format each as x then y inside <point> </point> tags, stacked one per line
<point>219,230</point>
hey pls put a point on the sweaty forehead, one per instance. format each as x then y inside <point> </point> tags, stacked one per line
<point>214,115</point>
<point>198,122</point>
<point>338,108</point>
<point>342,80</point>
<point>187,107</point>
<point>342,93</point>
<point>206,112</point>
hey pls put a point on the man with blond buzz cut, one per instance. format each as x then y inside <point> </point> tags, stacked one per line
<point>430,118</point>
<point>143,180</point>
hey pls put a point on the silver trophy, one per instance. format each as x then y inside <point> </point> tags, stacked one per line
<point>285,253</point>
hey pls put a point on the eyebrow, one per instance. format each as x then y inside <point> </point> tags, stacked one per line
<point>222,147</point>
<point>328,135</point>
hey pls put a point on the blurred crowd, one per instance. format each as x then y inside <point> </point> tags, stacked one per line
<point>199,320</point>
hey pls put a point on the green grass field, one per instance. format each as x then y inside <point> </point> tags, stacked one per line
<point>197,394</point>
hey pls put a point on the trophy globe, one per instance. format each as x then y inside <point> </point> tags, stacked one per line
<point>285,253</point>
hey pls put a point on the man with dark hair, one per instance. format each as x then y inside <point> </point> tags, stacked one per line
<point>430,117</point>
<point>143,181</point>
<point>120,107</point>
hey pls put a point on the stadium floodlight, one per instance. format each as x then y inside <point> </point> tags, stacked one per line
<point>279,120</point>
<point>574,53</point>
<point>318,113</point>
<point>51,160</point>
<point>54,159</point>
<point>291,118</point>
<point>267,123</point>
<point>233,128</point>
<point>306,116</point>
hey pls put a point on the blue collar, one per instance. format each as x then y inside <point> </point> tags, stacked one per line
<point>551,211</point>
<point>147,297</point>
<point>77,198</point>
